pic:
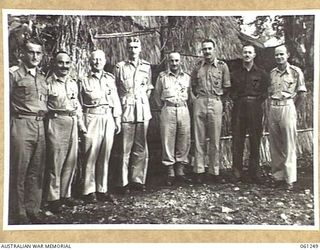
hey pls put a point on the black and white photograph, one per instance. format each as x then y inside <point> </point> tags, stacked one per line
<point>161,120</point>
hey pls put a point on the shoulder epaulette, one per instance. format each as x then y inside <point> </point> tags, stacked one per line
<point>120,64</point>
<point>145,62</point>
<point>273,70</point>
<point>295,68</point>
<point>162,73</point>
<point>221,62</point>
<point>109,74</point>
<point>13,68</point>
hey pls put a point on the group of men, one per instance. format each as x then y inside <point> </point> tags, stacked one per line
<point>49,114</point>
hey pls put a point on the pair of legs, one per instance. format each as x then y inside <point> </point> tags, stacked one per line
<point>176,139</point>
<point>62,134</point>
<point>246,118</point>
<point>134,154</point>
<point>207,112</point>
<point>283,136</point>
<point>27,161</point>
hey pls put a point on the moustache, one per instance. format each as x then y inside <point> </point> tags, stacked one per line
<point>64,68</point>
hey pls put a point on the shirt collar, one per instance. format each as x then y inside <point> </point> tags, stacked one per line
<point>97,75</point>
<point>169,72</point>
<point>31,71</point>
<point>214,62</point>
<point>286,70</point>
<point>133,63</point>
<point>60,79</point>
<point>253,68</point>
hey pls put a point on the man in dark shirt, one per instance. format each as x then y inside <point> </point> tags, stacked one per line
<point>248,91</point>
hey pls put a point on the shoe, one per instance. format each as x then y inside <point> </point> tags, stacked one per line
<point>198,179</point>
<point>289,187</point>
<point>54,206</point>
<point>218,179</point>
<point>34,218</point>
<point>70,202</point>
<point>123,190</point>
<point>21,220</point>
<point>91,198</point>
<point>169,181</point>
<point>138,187</point>
<point>106,197</point>
<point>183,179</point>
<point>278,184</point>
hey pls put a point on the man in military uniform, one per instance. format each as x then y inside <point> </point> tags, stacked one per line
<point>102,116</point>
<point>287,91</point>
<point>133,80</point>
<point>249,90</point>
<point>209,80</point>
<point>28,106</point>
<point>171,94</point>
<point>65,115</point>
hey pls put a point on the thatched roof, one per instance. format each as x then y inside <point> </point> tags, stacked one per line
<point>159,35</point>
<point>185,35</point>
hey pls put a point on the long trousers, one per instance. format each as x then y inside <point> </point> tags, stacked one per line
<point>98,143</point>
<point>207,113</point>
<point>283,139</point>
<point>27,161</point>
<point>62,134</point>
<point>246,118</point>
<point>134,154</point>
<point>175,134</point>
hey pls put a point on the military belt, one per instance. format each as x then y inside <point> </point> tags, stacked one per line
<point>38,116</point>
<point>250,97</point>
<point>170,104</point>
<point>56,113</point>
<point>275,102</point>
<point>101,110</point>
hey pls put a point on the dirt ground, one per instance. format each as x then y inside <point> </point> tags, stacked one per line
<point>209,203</point>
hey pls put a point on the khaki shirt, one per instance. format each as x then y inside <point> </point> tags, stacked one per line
<point>63,95</point>
<point>99,91</point>
<point>28,90</point>
<point>134,85</point>
<point>172,88</point>
<point>210,78</point>
<point>286,84</point>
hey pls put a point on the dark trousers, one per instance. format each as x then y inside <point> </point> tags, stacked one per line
<point>246,118</point>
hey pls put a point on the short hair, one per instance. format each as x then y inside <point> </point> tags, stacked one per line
<point>60,52</point>
<point>174,52</point>
<point>133,39</point>
<point>98,51</point>
<point>249,45</point>
<point>33,40</point>
<point>282,45</point>
<point>208,40</point>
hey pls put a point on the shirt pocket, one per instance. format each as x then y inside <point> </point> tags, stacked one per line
<point>167,91</point>
<point>256,82</point>
<point>24,91</point>
<point>216,78</point>
<point>289,84</point>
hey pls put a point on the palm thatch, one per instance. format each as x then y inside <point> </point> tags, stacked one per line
<point>159,35</point>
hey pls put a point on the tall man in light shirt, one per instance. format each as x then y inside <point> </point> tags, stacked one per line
<point>210,80</point>
<point>133,80</point>
<point>287,91</point>
<point>102,116</point>
<point>172,93</point>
